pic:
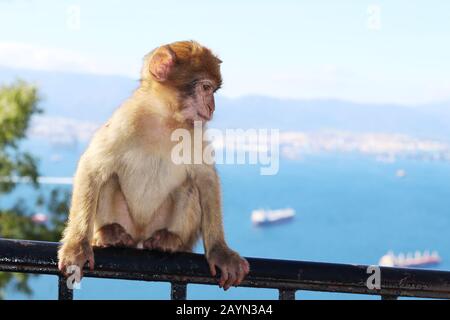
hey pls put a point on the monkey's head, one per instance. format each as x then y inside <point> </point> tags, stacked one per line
<point>188,71</point>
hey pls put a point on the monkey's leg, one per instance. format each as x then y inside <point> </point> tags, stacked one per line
<point>113,218</point>
<point>183,228</point>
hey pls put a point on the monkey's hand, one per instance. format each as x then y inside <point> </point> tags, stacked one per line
<point>232,266</point>
<point>76,255</point>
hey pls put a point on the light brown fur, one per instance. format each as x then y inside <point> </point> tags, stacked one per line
<point>128,192</point>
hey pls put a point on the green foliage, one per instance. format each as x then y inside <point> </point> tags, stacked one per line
<point>18,103</point>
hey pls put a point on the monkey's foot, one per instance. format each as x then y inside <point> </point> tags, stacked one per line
<point>164,240</point>
<point>113,235</point>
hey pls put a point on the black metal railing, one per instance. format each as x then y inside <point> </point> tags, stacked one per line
<point>183,268</point>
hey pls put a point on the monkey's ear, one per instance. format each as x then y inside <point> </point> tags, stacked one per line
<point>161,63</point>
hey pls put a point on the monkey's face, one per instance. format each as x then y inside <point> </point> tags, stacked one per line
<point>198,104</point>
<point>192,72</point>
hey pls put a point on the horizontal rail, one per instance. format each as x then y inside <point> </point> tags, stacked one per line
<point>182,268</point>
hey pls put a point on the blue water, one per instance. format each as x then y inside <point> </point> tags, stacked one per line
<point>350,209</point>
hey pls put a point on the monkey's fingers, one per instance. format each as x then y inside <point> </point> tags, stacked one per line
<point>240,275</point>
<point>232,278</point>
<point>64,265</point>
<point>246,266</point>
<point>212,268</point>
<point>130,243</point>
<point>126,241</point>
<point>223,277</point>
<point>61,266</point>
<point>243,270</point>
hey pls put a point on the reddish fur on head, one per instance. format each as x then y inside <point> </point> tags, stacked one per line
<point>182,62</point>
<point>192,71</point>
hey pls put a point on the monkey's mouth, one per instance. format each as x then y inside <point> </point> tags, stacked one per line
<point>204,117</point>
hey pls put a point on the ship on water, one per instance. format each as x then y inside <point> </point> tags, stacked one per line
<point>417,259</point>
<point>267,217</point>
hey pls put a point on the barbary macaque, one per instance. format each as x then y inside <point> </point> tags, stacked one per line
<point>127,190</point>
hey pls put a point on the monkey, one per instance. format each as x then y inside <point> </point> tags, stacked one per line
<point>127,191</point>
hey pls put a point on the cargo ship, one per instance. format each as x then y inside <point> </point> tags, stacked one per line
<point>417,259</point>
<point>267,217</point>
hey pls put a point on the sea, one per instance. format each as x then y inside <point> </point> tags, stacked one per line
<point>350,208</point>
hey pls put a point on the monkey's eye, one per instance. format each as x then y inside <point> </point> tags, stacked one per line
<point>207,87</point>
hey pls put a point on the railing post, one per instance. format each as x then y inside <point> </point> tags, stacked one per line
<point>64,293</point>
<point>286,294</point>
<point>178,291</point>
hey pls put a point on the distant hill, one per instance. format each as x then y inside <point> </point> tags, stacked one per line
<point>430,121</point>
<point>93,98</point>
<point>78,96</point>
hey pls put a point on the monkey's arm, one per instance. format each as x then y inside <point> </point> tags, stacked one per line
<point>207,182</point>
<point>76,248</point>
<point>233,268</point>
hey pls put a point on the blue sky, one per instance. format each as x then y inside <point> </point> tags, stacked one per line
<point>291,49</point>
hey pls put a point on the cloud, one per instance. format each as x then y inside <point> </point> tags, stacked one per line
<point>30,56</point>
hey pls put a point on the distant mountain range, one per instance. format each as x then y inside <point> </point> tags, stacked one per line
<point>92,98</point>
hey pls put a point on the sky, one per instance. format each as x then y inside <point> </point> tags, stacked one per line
<point>395,51</point>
